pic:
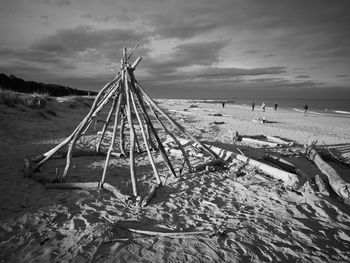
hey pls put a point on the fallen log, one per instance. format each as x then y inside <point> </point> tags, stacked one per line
<point>339,186</point>
<point>168,234</point>
<point>321,185</point>
<point>255,141</point>
<point>88,186</point>
<point>289,179</point>
<point>278,140</point>
<point>280,162</point>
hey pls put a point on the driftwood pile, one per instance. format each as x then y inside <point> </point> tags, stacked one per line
<point>129,102</point>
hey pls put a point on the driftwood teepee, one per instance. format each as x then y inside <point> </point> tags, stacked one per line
<point>129,100</point>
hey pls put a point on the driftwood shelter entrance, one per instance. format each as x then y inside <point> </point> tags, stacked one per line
<point>130,107</point>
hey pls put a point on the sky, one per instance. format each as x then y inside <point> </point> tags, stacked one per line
<point>190,48</point>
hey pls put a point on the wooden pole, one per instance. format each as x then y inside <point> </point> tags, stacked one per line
<point>132,135</point>
<point>187,161</point>
<point>121,133</point>
<point>78,134</point>
<point>153,130</point>
<point>108,119</point>
<point>340,187</point>
<point>150,157</point>
<point>149,136</point>
<point>183,130</point>
<point>110,149</point>
<point>47,155</point>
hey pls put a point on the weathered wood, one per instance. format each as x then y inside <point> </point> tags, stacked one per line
<point>115,192</point>
<point>111,146</point>
<point>132,134</point>
<point>278,140</point>
<point>78,133</point>
<point>289,179</point>
<point>121,133</point>
<point>339,186</point>
<point>171,120</point>
<point>150,157</point>
<point>321,185</point>
<point>255,141</point>
<point>136,62</point>
<point>168,234</point>
<point>151,194</point>
<point>184,154</point>
<point>153,130</point>
<point>88,185</point>
<point>105,125</point>
<point>280,162</point>
<point>51,152</point>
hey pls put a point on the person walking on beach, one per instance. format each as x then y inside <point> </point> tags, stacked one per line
<point>276,105</point>
<point>253,106</point>
<point>305,109</point>
<point>263,106</point>
<point>223,104</point>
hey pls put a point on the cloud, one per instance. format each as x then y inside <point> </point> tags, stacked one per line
<point>69,41</point>
<point>71,51</point>
<point>342,75</point>
<point>302,77</point>
<point>179,26</point>
<point>217,73</point>
<point>186,55</point>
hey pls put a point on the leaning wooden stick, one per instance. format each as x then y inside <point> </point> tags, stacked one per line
<point>111,146</point>
<point>184,154</point>
<point>105,125</point>
<point>121,133</point>
<point>132,135</point>
<point>46,156</point>
<point>339,186</point>
<point>182,129</point>
<point>150,157</point>
<point>78,134</point>
<point>149,123</point>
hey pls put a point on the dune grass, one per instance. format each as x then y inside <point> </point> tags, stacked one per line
<point>11,99</point>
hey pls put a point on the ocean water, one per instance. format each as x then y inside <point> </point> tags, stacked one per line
<point>324,106</point>
<point>339,107</point>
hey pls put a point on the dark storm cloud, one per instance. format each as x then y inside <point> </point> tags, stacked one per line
<point>64,50</point>
<point>184,55</point>
<point>69,41</point>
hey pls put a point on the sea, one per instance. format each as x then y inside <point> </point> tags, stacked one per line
<point>338,107</point>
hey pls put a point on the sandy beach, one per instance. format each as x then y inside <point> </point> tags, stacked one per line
<point>235,213</point>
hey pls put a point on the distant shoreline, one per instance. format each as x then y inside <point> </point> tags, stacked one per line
<point>342,111</point>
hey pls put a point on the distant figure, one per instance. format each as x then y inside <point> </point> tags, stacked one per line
<point>223,104</point>
<point>276,105</point>
<point>263,106</point>
<point>253,106</point>
<point>305,109</point>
